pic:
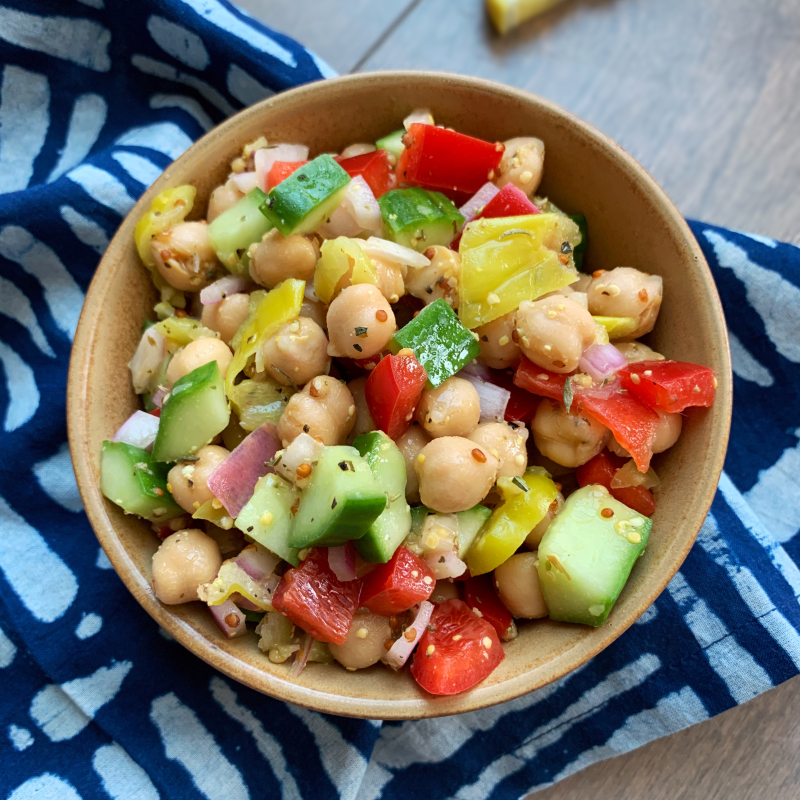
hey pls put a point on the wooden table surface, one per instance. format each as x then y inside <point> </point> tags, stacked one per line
<point>706,95</point>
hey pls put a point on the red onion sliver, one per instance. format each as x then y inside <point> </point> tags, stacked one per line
<point>234,480</point>
<point>258,562</point>
<point>222,614</point>
<point>267,156</point>
<point>147,359</point>
<point>473,207</point>
<point>246,181</point>
<point>342,560</point>
<point>421,115</point>
<point>158,397</point>
<point>602,361</point>
<point>445,565</point>
<point>396,253</point>
<point>362,205</point>
<point>493,398</point>
<point>301,656</point>
<point>243,602</point>
<point>478,370</point>
<point>339,223</point>
<point>139,429</point>
<point>402,648</point>
<point>216,292</point>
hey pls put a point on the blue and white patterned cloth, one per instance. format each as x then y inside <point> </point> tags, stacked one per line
<point>96,98</point>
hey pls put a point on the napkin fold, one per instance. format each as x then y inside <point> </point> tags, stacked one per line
<point>97,97</point>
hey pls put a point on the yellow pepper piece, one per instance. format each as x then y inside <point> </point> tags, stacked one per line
<point>338,257</point>
<point>617,327</point>
<point>512,521</point>
<point>507,260</point>
<point>280,305</point>
<point>183,330</point>
<point>219,516</point>
<point>232,579</point>
<point>508,14</point>
<point>167,210</point>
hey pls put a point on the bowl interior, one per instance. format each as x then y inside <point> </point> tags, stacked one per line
<point>631,222</point>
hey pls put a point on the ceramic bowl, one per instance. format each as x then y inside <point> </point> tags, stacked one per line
<point>631,222</point>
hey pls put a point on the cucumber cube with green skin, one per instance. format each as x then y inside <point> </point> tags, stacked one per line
<point>340,503</point>
<point>418,218</point>
<point>301,202</point>
<point>267,517</point>
<point>193,414</point>
<point>586,556</point>
<point>131,478</point>
<point>233,231</point>
<point>418,516</point>
<point>469,523</point>
<point>388,467</point>
<point>393,143</point>
<point>439,341</point>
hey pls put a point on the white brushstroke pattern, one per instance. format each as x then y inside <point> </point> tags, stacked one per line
<point>122,777</point>
<point>8,650</point>
<point>374,781</point>
<point>648,616</point>
<point>15,305</point>
<point>325,69</point>
<point>57,479</point>
<point>745,366</point>
<point>267,744</point>
<point>89,626</point>
<point>45,787</point>
<point>178,42</point>
<point>244,87</point>
<point>23,394</point>
<point>86,230</point>
<point>102,561</point>
<point>758,238</point>
<point>62,294</point>
<point>187,741</point>
<point>139,168</point>
<point>187,104</point>
<point>165,137</point>
<point>24,121</point>
<point>93,3</point>
<point>224,18</point>
<point>20,738</point>
<point>88,117</point>
<point>76,39</point>
<point>102,187</point>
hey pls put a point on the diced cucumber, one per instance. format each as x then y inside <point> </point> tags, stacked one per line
<point>341,502</point>
<point>439,341</point>
<point>419,218</point>
<point>469,523</point>
<point>388,467</point>
<point>195,412</point>
<point>233,231</point>
<point>301,202</point>
<point>418,516</point>
<point>579,252</point>
<point>585,558</point>
<point>131,478</point>
<point>393,143</point>
<point>159,378</point>
<point>267,517</point>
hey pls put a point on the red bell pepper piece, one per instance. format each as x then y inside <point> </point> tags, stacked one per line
<point>156,412</point>
<point>394,587</point>
<point>539,381</point>
<point>374,168</point>
<point>315,600</point>
<point>281,170</point>
<point>508,202</point>
<point>522,404</point>
<point>601,469</point>
<point>457,650</point>
<point>392,391</point>
<point>481,596</point>
<point>670,385</point>
<point>441,159</point>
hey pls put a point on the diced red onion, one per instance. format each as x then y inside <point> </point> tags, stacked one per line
<point>475,205</point>
<point>477,369</point>
<point>402,648</point>
<point>339,223</point>
<point>603,391</point>
<point>304,449</point>
<point>222,614</point>
<point>246,181</point>
<point>342,560</point>
<point>158,397</point>
<point>147,359</point>
<point>267,156</point>
<point>602,361</point>
<point>258,562</point>
<point>301,656</point>
<point>396,253</point>
<point>445,565</point>
<point>628,475</point>
<point>493,398</point>
<point>422,115</point>
<point>216,292</point>
<point>139,429</point>
<point>361,203</point>
<point>234,480</point>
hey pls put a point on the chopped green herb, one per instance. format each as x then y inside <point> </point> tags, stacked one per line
<point>520,484</point>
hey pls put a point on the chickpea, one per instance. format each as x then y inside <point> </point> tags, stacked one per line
<point>297,352</point>
<point>439,279</point>
<point>534,538</point>
<point>324,409</point>
<point>582,284</point>
<point>451,409</point>
<point>517,582</point>
<point>507,443</point>
<point>227,316</point>
<point>454,474</point>
<point>443,591</point>
<point>568,439</point>
<point>364,644</point>
<point>554,331</point>
<point>185,258</point>
<point>364,421</point>
<point>360,322</point>
<point>410,445</point>
<point>357,149</point>
<point>522,164</point>
<point>636,351</point>
<point>627,292</point>
<point>315,310</point>
<point>572,293</point>
<point>668,431</point>
<point>390,279</point>
<point>184,561</point>
<point>277,257</point>
<point>196,354</point>
<point>499,350</point>
<point>222,198</point>
<point>188,481</point>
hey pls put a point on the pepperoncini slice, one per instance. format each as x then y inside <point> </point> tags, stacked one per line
<point>167,209</point>
<point>338,257</point>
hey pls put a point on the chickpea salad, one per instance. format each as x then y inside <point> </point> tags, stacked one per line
<point>387,410</point>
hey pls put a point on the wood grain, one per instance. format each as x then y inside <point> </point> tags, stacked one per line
<point>705,95</point>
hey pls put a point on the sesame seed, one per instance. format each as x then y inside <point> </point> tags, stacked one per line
<point>543,376</point>
<point>362,633</point>
<point>597,610</point>
<point>415,573</point>
<point>696,389</point>
<point>492,299</point>
<point>547,348</point>
<point>648,373</point>
<point>487,642</point>
<point>266,518</point>
<point>432,540</point>
<point>421,458</point>
<point>551,313</point>
<point>519,459</point>
<point>503,341</point>
<point>635,378</point>
<point>458,637</point>
<point>429,651</point>
<point>427,580</point>
<point>715,382</point>
<point>634,537</point>
<point>526,176</point>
